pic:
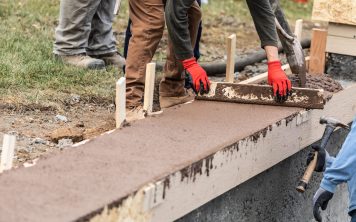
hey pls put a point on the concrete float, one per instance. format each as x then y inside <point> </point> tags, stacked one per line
<point>163,167</point>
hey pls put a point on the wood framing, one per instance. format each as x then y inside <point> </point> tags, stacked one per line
<point>317,52</point>
<point>181,192</point>
<point>120,101</point>
<point>7,154</point>
<point>341,39</point>
<point>230,65</point>
<point>298,31</point>
<point>338,11</point>
<point>149,87</point>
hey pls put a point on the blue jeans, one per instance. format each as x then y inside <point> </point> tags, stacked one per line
<point>196,48</point>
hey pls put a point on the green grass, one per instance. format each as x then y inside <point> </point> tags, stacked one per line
<point>27,65</point>
<point>28,71</point>
<point>239,10</point>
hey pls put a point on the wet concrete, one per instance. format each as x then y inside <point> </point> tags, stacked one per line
<point>81,181</point>
<point>271,196</point>
<point>341,66</point>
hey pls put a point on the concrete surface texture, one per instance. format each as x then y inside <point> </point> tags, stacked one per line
<point>82,180</point>
<point>271,196</point>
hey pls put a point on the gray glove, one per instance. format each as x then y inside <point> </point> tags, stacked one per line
<point>321,200</point>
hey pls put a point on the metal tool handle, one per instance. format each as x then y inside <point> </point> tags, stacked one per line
<point>303,183</point>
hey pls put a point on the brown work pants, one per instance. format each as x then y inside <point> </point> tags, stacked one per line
<point>147,28</point>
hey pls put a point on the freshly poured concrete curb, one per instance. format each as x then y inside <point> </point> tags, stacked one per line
<point>163,167</point>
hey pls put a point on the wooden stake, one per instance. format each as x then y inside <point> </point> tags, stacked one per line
<point>149,87</point>
<point>299,29</point>
<point>120,101</point>
<point>7,154</point>
<point>317,52</point>
<point>230,65</point>
<point>117,7</point>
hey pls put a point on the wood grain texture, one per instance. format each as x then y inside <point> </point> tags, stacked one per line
<point>317,52</point>
<point>338,11</point>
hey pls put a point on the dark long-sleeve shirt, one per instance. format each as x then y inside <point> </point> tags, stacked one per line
<point>177,23</point>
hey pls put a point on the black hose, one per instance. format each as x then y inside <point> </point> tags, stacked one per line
<point>216,69</point>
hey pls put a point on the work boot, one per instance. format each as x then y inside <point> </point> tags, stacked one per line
<point>135,113</point>
<point>82,61</point>
<point>112,59</point>
<point>166,101</point>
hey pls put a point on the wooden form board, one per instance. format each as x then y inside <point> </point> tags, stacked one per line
<point>338,11</point>
<point>262,95</point>
<point>231,166</point>
<point>317,52</point>
<point>341,39</point>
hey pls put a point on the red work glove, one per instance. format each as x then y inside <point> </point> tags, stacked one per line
<point>199,79</point>
<point>279,80</point>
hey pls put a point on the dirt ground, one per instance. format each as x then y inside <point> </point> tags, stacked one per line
<point>40,130</point>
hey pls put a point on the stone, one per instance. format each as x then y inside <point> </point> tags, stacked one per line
<point>63,143</point>
<point>75,134</point>
<point>61,118</point>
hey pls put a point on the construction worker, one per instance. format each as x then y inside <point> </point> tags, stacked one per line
<point>128,35</point>
<point>341,169</point>
<point>264,19</point>
<point>84,35</point>
<point>147,29</point>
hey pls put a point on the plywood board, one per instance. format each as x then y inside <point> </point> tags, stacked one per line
<point>338,11</point>
<point>342,30</point>
<point>341,45</point>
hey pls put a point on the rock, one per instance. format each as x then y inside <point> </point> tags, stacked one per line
<point>74,99</point>
<point>61,118</point>
<point>75,134</point>
<point>64,143</point>
<point>39,141</point>
<point>80,124</point>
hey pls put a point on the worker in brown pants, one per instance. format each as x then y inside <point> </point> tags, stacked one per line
<point>147,29</point>
<point>264,19</point>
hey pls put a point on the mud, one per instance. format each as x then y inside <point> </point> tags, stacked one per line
<point>68,186</point>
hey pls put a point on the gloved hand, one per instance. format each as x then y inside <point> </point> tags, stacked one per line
<point>321,200</point>
<point>198,77</point>
<point>279,81</point>
<point>321,158</point>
